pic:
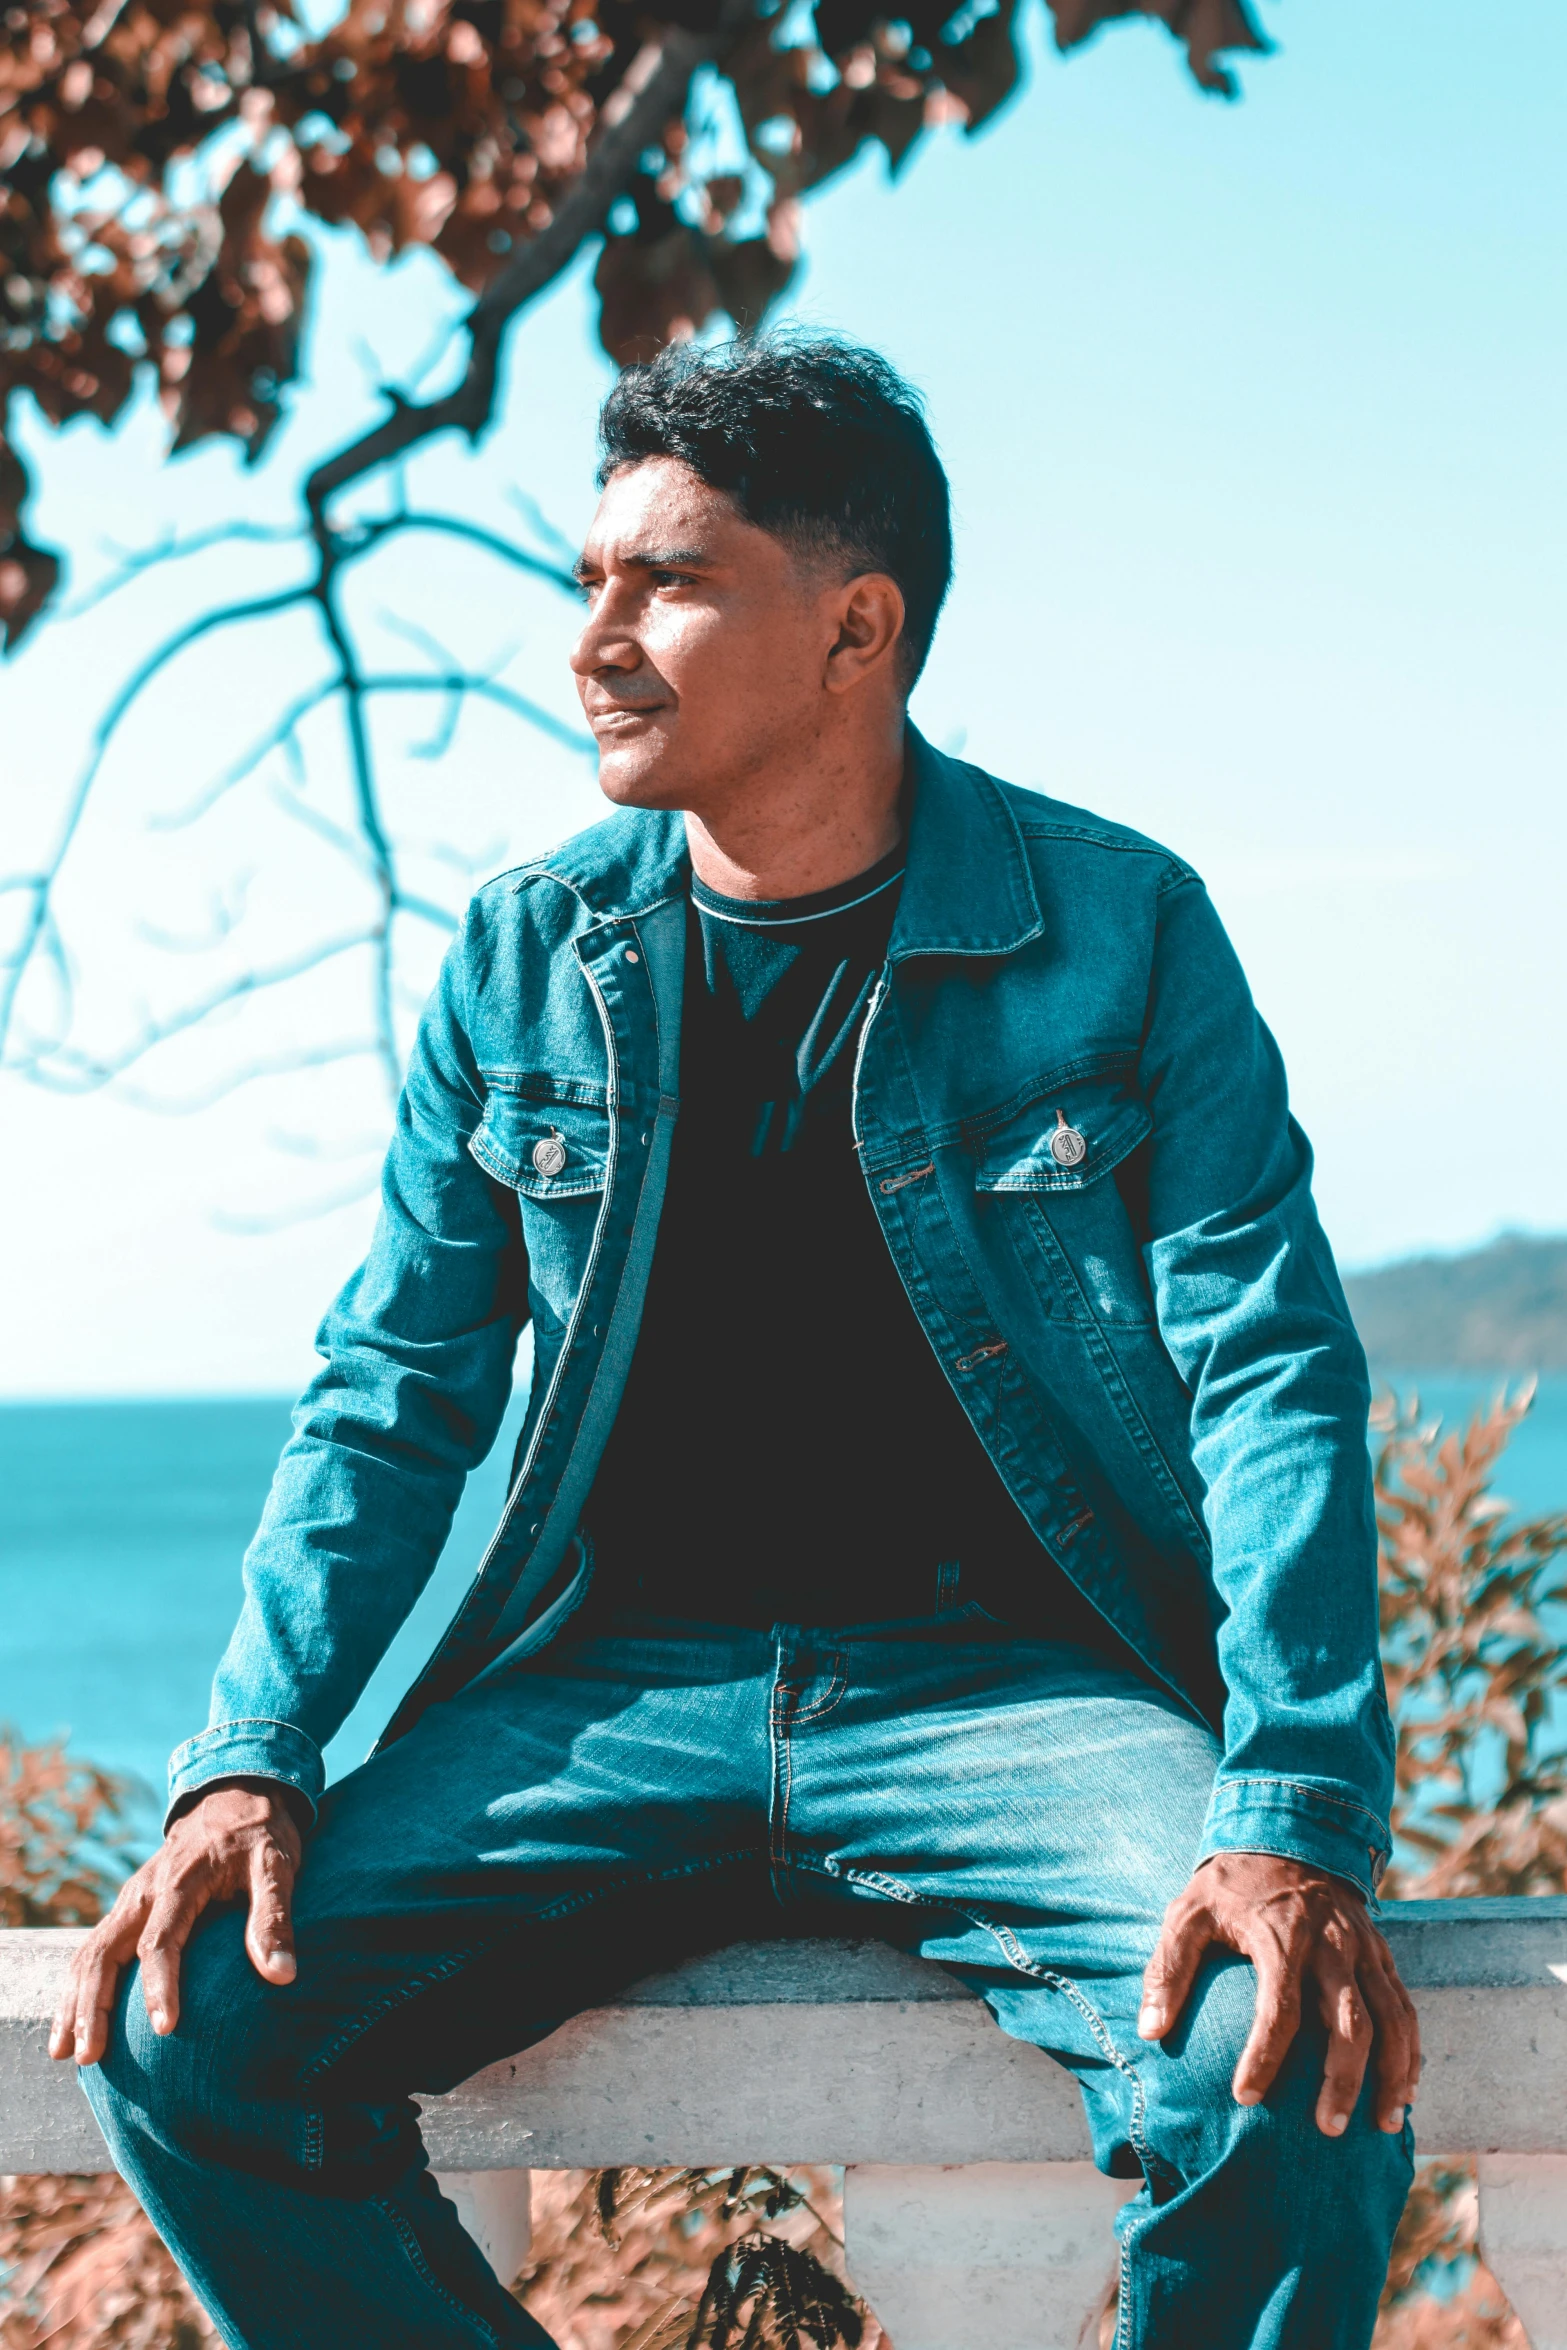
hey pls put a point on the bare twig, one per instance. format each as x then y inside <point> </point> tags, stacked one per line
<point>14,966</point>
<point>279,1220</point>
<point>654,89</point>
<point>135,563</point>
<point>73,1071</point>
<point>289,1064</point>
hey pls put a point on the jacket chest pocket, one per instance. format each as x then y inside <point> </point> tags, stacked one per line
<point>545,1148</point>
<point>1049,1170</point>
<point>552,1147</point>
<point>1065,1139</point>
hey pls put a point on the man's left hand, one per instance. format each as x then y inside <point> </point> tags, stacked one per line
<point>1293,1922</point>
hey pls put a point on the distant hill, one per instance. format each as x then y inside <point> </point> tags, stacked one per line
<point>1500,1308</point>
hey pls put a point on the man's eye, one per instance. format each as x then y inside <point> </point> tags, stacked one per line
<point>674,579</point>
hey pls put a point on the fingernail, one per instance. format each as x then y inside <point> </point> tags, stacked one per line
<point>160,2022</point>
<point>1394,2119</point>
<point>1336,2124</point>
<point>1150,2023</point>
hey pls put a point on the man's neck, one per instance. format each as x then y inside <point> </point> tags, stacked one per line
<point>808,833</point>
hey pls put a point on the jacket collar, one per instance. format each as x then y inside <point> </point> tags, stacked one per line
<point>967,887</point>
<point>626,865</point>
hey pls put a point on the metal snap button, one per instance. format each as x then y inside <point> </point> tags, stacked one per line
<point>1068,1147</point>
<point>549,1154</point>
<point>632,956</point>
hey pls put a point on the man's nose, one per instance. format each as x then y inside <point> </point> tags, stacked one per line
<point>605,642</point>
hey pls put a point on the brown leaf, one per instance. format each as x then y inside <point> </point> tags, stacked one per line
<point>652,291</point>
<point>29,574</point>
<point>1208,28</point>
<point>749,276</point>
<point>984,70</point>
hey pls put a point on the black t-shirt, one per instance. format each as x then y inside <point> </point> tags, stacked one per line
<point>788,1448</point>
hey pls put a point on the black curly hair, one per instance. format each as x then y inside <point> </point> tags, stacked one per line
<point>817,440</point>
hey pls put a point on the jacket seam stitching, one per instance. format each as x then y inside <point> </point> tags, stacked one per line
<point>1243,1784</point>
<point>215,1730</point>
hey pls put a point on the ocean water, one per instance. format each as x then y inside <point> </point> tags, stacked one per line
<point>122,1526</point>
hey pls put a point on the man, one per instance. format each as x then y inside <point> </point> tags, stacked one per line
<point>943,1504</point>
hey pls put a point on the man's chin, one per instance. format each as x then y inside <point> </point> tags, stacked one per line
<point>640,774</point>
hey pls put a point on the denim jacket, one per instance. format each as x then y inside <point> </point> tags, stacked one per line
<point>1147,1331</point>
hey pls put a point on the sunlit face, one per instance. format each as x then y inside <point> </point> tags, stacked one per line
<point>708,645</point>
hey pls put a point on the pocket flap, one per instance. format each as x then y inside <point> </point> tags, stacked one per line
<point>1062,1142</point>
<point>545,1148</point>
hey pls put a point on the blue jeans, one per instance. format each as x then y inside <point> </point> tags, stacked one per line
<point>1019,1810</point>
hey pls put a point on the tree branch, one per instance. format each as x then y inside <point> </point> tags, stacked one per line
<point>90,1072</point>
<point>654,88</point>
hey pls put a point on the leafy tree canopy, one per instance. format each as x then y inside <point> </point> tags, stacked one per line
<point>149,147</point>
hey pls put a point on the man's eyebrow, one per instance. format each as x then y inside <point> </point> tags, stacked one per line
<point>650,559</point>
<point>668,558</point>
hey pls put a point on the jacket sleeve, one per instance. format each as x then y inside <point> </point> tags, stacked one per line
<point>418,1353</point>
<point>1251,1309</point>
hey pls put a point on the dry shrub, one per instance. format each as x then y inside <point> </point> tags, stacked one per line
<point>623,2260</point>
<point>1481,1803</point>
<point>1471,1669</point>
<point>62,1824</point>
<point>83,2270</point>
<point>81,2267</point>
<point>1436,2233</point>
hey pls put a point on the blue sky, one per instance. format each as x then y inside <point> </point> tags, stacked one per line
<point>1253,415</point>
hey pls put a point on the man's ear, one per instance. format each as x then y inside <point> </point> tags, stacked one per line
<point>869,619</point>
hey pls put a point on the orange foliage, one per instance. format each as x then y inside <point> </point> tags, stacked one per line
<point>1471,1667</point>
<point>1439,2227</point>
<point>142,143</point>
<point>60,1829</point>
<point>638,2283</point>
<point>83,2270</point>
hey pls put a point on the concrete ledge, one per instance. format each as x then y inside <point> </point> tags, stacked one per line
<point>851,2052</point>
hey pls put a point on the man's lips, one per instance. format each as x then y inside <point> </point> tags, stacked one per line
<point>613,716</point>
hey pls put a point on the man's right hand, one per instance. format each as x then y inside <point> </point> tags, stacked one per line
<point>238,1842</point>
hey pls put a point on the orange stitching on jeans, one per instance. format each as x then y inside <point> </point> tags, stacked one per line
<point>835,1689</point>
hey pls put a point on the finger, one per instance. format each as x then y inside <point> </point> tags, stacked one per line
<point>80,2027</point>
<point>1172,1970</point>
<point>62,2025</point>
<point>1348,2019</point>
<point>1274,2023</point>
<point>1397,2042</point>
<point>168,1930</point>
<point>269,1933</point>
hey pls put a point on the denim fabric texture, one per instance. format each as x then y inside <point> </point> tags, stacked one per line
<point>1149,1337</point>
<point>1020,1811</point>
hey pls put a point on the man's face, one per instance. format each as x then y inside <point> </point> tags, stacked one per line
<point>705,655</point>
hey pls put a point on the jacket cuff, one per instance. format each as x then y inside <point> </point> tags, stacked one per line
<point>1301,1823</point>
<point>247,1750</point>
